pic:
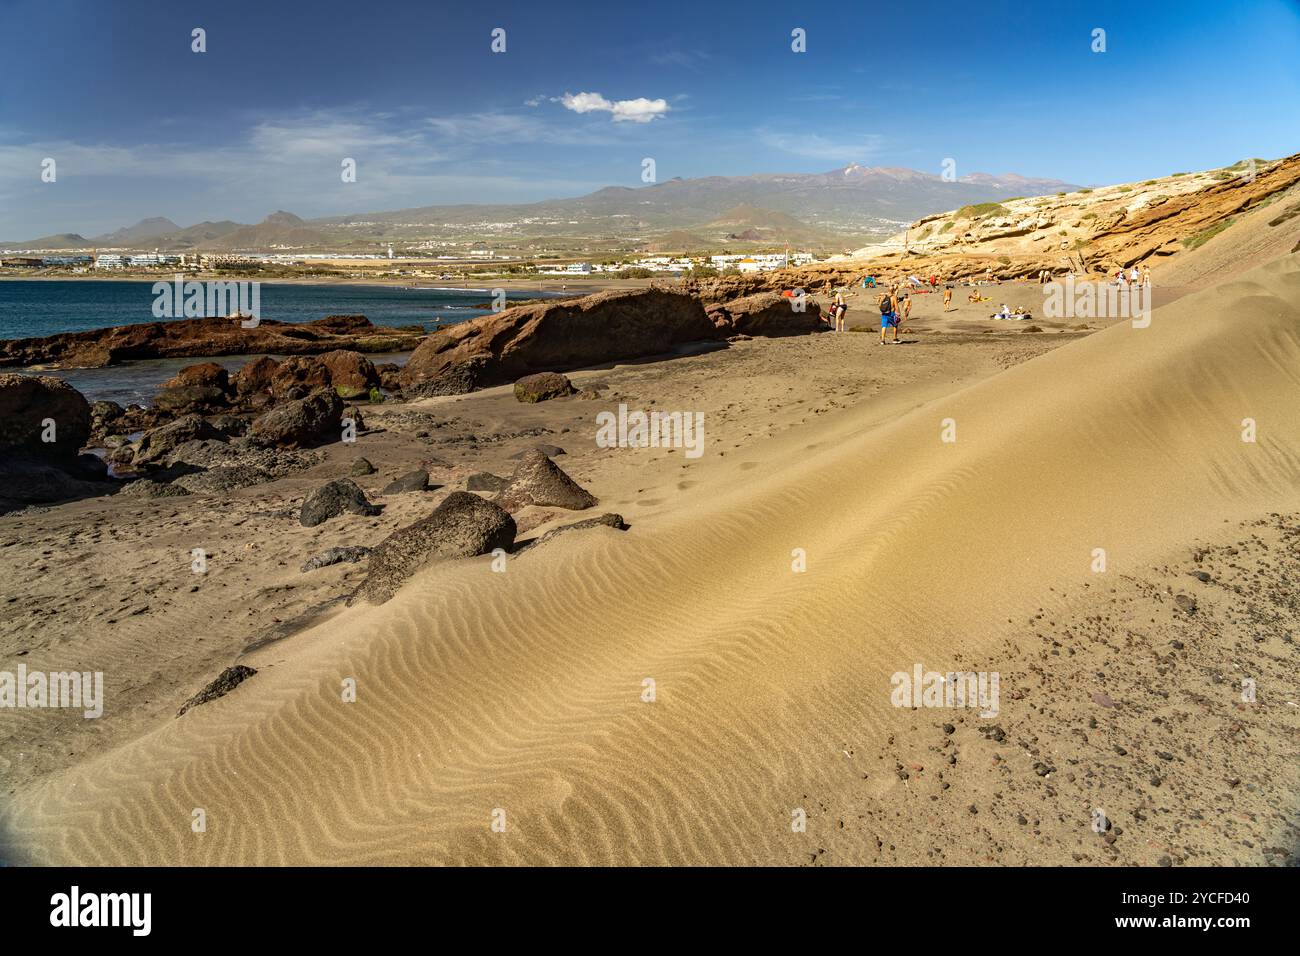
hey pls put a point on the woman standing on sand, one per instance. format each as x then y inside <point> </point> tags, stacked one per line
<point>838,310</point>
<point>1146,277</point>
<point>947,296</point>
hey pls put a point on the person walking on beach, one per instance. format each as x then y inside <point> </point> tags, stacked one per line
<point>1146,277</point>
<point>907,308</point>
<point>947,296</point>
<point>887,317</point>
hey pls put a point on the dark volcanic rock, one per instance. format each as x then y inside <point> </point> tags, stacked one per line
<point>157,444</point>
<point>333,499</point>
<point>485,481</point>
<point>349,373</point>
<point>27,481</point>
<point>352,375</point>
<point>417,480</point>
<point>539,481</point>
<point>550,451</point>
<point>542,387</point>
<point>390,376</point>
<point>202,399</point>
<point>462,526</point>
<point>203,375</point>
<point>148,488</point>
<point>553,336</point>
<point>28,403</point>
<point>195,338</point>
<point>104,416</point>
<point>768,313</point>
<point>607,520</point>
<point>334,556</point>
<point>223,478</point>
<point>298,376</point>
<point>361,467</point>
<point>232,426</point>
<point>305,423</point>
<point>226,681</point>
<point>255,377</point>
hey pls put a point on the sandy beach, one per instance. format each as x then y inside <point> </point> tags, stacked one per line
<point>716,684</point>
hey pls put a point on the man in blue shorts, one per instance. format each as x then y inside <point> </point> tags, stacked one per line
<point>888,318</point>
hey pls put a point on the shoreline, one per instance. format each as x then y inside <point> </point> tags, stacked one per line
<point>555,285</point>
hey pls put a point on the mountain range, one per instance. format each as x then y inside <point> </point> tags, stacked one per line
<point>853,201</point>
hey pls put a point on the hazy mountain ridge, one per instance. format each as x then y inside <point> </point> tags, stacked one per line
<point>853,200</point>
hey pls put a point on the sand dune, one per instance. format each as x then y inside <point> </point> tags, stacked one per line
<point>522,690</point>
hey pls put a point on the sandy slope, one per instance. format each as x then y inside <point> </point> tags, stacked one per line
<point>522,690</point>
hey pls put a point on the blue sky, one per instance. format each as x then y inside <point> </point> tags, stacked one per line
<point>139,125</point>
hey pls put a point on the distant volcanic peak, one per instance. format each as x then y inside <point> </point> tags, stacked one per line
<point>858,171</point>
<point>282,218</point>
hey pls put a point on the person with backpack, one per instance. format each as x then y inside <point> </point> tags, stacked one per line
<point>887,316</point>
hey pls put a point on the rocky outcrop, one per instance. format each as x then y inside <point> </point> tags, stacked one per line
<point>539,481</point>
<point>185,338</point>
<point>255,377</point>
<point>225,682</point>
<point>351,374</point>
<point>332,556</point>
<point>542,387</point>
<point>44,422</point>
<point>606,520</point>
<point>332,500</point>
<point>154,446</point>
<point>767,314</point>
<point>42,417</point>
<point>203,375</point>
<point>417,480</point>
<point>485,481</point>
<point>390,376</point>
<point>462,526</point>
<point>305,423</point>
<point>223,479</point>
<point>553,336</point>
<point>187,399</point>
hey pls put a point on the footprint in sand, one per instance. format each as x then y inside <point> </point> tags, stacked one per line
<point>746,465</point>
<point>683,485</point>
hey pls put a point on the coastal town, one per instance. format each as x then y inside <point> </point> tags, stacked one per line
<point>62,264</point>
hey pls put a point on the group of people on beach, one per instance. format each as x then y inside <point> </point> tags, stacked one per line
<point>1134,278</point>
<point>894,303</point>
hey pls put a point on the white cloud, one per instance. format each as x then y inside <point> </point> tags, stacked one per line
<point>640,110</point>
